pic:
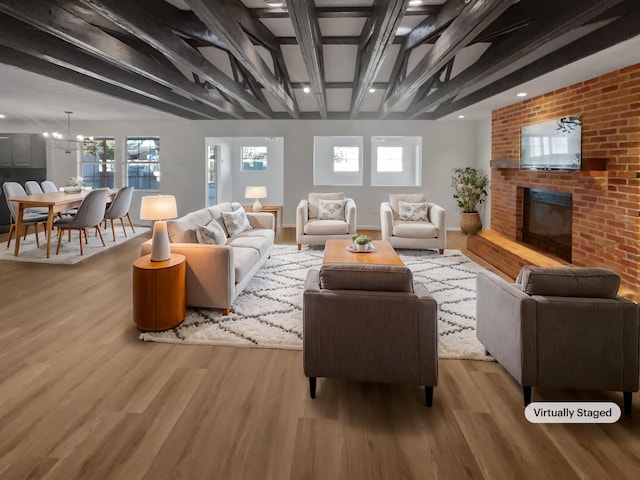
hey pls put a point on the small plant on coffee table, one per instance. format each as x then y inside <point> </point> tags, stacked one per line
<point>361,239</point>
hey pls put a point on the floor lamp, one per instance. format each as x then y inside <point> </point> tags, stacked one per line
<point>159,208</point>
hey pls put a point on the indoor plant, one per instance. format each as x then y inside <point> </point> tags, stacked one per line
<point>362,242</point>
<point>470,190</point>
<point>74,184</point>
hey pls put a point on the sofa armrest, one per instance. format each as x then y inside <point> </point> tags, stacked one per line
<point>437,215</point>
<point>505,316</point>
<point>386,221</point>
<point>261,220</point>
<point>302,217</point>
<point>350,215</point>
<point>210,273</point>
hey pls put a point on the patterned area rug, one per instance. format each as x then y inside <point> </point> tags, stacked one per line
<point>268,313</point>
<point>69,251</point>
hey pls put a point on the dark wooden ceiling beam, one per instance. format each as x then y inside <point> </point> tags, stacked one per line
<point>387,17</point>
<point>473,20</point>
<point>9,56</point>
<point>135,19</point>
<point>18,36</point>
<point>49,17</point>
<point>344,12</point>
<point>239,44</point>
<point>624,28</point>
<point>500,57</point>
<point>430,26</point>
<point>305,24</point>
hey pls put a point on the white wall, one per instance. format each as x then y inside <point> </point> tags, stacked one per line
<point>445,145</point>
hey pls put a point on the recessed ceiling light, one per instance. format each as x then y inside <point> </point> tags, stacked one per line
<point>274,3</point>
<point>306,89</point>
<point>521,94</point>
<point>460,116</point>
<point>372,90</point>
<point>415,3</point>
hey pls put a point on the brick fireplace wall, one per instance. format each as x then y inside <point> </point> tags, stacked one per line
<point>606,203</point>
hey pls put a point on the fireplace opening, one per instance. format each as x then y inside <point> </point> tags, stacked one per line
<point>546,221</point>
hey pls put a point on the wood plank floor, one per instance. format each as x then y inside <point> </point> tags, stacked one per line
<point>82,398</point>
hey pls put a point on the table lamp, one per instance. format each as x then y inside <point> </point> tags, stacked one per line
<point>257,193</point>
<point>159,208</point>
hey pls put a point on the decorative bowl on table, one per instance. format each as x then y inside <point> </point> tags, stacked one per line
<point>352,247</point>
<point>73,188</point>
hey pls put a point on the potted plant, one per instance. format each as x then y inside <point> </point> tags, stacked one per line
<point>74,184</point>
<point>470,190</point>
<point>362,242</point>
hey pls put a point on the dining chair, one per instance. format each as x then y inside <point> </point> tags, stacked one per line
<point>90,215</point>
<point>119,209</point>
<point>33,188</point>
<point>29,217</point>
<point>48,186</point>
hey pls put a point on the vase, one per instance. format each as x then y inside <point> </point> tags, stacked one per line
<point>362,247</point>
<point>470,223</point>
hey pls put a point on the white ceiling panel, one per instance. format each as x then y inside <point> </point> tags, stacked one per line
<point>339,99</point>
<point>340,62</point>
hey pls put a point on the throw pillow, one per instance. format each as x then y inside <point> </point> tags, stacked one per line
<point>331,209</point>
<point>211,233</point>
<point>414,212</point>
<point>236,222</point>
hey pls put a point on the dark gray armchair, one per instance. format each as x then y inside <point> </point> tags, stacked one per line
<point>561,327</point>
<point>369,323</point>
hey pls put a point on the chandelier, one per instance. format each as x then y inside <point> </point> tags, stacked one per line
<point>66,143</point>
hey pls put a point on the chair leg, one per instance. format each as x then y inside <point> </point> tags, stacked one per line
<point>99,232</point>
<point>130,223</point>
<point>627,403</point>
<point>37,238</point>
<point>124,230</point>
<point>80,237</point>
<point>113,230</point>
<point>26,231</point>
<point>225,311</point>
<point>312,387</point>
<point>441,251</point>
<point>12,229</point>
<point>60,232</point>
<point>428,396</point>
<point>299,246</point>
<point>526,392</point>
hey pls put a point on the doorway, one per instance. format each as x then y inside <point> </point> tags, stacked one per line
<point>213,152</point>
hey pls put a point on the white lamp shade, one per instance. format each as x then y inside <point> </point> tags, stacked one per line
<point>158,207</point>
<point>255,192</point>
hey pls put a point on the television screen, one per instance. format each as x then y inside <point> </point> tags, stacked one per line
<point>553,145</point>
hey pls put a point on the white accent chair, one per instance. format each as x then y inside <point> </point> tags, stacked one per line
<point>402,233</point>
<point>312,230</point>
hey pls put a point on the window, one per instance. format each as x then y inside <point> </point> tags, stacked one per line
<point>254,159</point>
<point>143,162</point>
<point>337,160</point>
<point>396,161</point>
<point>211,174</point>
<point>98,162</point>
<point>346,159</point>
<point>389,159</point>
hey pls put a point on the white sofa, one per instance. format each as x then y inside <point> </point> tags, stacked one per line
<point>312,230</point>
<point>431,234</point>
<point>216,274</point>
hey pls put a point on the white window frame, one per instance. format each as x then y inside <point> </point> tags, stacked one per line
<point>411,173</point>
<point>324,172</point>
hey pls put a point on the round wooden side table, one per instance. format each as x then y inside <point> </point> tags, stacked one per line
<point>159,292</point>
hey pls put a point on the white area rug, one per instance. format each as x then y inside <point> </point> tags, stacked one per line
<point>69,251</point>
<point>268,313</point>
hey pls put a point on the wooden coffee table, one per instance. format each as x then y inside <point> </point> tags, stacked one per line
<point>335,251</point>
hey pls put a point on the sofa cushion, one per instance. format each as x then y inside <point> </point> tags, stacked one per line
<point>183,229</point>
<point>413,212</point>
<point>569,281</point>
<point>331,209</point>
<point>358,276</point>
<point>314,201</point>
<point>211,233</point>
<point>414,229</point>
<point>216,212</point>
<point>326,227</point>
<point>396,198</point>
<point>236,222</point>
<point>259,243</point>
<point>244,259</point>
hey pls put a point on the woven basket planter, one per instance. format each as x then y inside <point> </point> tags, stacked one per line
<point>470,223</point>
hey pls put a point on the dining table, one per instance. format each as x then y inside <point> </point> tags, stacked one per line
<point>55,202</point>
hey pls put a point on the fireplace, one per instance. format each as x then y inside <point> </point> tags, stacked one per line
<point>546,221</point>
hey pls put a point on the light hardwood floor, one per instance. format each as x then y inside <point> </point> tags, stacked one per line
<point>82,398</point>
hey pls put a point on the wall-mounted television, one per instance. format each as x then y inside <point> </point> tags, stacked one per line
<point>552,145</point>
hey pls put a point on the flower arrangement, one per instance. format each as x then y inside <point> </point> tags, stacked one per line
<point>361,239</point>
<point>470,188</point>
<point>74,182</point>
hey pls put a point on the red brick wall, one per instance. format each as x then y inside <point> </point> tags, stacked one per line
<point>606,204</point>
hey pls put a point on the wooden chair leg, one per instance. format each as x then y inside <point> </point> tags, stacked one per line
<point>122,223</point>
<point>12,229</point>
<point>80,238</point>
<point>26,230</point>
<point>99,232</point>
<point>130,223</point>
<point>113,230</point>
<point>60,232</point>
<point>299,246</point>
<point>37,238</point>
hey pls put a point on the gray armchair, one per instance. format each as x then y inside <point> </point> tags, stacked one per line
<point>313,228</point>
<point>561,327</point>
<point>369,323</point>
<point>418,233</point>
